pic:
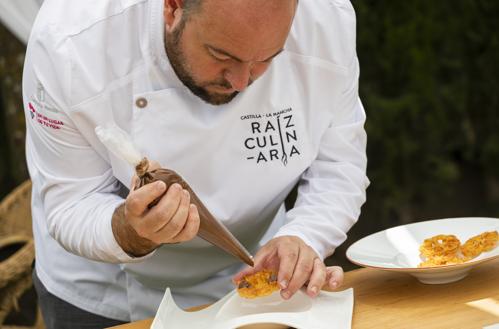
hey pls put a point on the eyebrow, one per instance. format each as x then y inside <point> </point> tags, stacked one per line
<point>223,52</point>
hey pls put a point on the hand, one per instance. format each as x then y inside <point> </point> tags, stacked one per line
<point>296,264</point>
<point>139,230</point>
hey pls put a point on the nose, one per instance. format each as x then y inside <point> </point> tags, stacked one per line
<point>239,76</point>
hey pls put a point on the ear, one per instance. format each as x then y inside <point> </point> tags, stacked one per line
<point>172,13</point>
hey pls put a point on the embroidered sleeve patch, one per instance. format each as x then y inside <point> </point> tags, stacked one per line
<point>39,107</point>
<point>43,119</point>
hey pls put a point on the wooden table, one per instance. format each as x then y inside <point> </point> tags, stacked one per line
<point>395,300</point>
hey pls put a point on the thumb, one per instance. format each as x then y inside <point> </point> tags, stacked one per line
<point>154,165</point>
<point>239,276</point>
<point>248,270</point>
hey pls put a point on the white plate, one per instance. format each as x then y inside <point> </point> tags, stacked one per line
<point>328,310</point>
<point>397,248</point>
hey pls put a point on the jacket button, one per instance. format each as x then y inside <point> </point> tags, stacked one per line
<point>141,102</point>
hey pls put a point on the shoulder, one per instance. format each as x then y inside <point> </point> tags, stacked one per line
<point>324,30</point>
<point>74,37</point>
<point>72,18</point>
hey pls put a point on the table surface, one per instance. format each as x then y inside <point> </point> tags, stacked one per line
<point>385,299</point>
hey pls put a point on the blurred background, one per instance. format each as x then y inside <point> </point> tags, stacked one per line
<point>430,86</point>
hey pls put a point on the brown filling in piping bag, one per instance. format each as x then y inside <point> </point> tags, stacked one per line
<point>210,229</point>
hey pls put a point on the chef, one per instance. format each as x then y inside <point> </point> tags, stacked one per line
<point>244,99</point>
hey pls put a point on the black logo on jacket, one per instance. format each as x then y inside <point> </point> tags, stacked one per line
<point>273,137</point>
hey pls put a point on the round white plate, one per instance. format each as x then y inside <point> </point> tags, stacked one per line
<point>397,248</point>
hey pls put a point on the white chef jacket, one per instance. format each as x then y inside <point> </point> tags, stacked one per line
<point>94,62</point>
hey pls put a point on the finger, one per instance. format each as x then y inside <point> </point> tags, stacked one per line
<point>191,228</point>
<point>259,261</point>
<point>302,271</point>
<point>334,276</point>
<point>138,200</point>
<point>317,278</point>
<point>288,257</point>
<point>161,214</point>
<point>245,272</point>
<point>179,219</point>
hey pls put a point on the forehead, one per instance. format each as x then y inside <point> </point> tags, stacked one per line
<point>251,30</point>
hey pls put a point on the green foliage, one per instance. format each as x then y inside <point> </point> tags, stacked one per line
<point>430,86</point>
<point>12,127</point>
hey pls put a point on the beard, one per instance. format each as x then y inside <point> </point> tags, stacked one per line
<point>177,60</point>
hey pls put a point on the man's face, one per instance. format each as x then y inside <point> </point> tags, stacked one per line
<point>225,45</point>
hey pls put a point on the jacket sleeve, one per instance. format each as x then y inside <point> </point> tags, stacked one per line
<point>74,191</point>
<point>332,189</point>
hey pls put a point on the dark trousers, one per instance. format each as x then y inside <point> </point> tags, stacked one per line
<point>59,314</point>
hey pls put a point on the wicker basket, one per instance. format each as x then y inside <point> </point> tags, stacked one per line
<point>15,271</point>
<point>15,212</point>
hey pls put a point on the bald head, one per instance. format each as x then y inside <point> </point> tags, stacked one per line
<point>239,6</point>
<point>256,10</point>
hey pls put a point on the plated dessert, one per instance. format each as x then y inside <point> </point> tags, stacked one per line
<point>447,249</point>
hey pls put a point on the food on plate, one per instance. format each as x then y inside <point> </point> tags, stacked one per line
<point>481,243</point>
<point>440,245</point>
<point>259,284</point>
<point>447,249</point>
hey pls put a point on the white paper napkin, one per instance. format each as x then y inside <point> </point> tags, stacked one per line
<point>329,310</point>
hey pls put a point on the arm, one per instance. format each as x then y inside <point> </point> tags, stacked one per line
<point>330,195</point>
<point>74,183</point>
<point>332,190</point>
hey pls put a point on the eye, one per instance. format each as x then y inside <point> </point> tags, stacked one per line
<point>218,56</point>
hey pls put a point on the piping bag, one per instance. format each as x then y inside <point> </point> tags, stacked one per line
<point>210,229</point>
